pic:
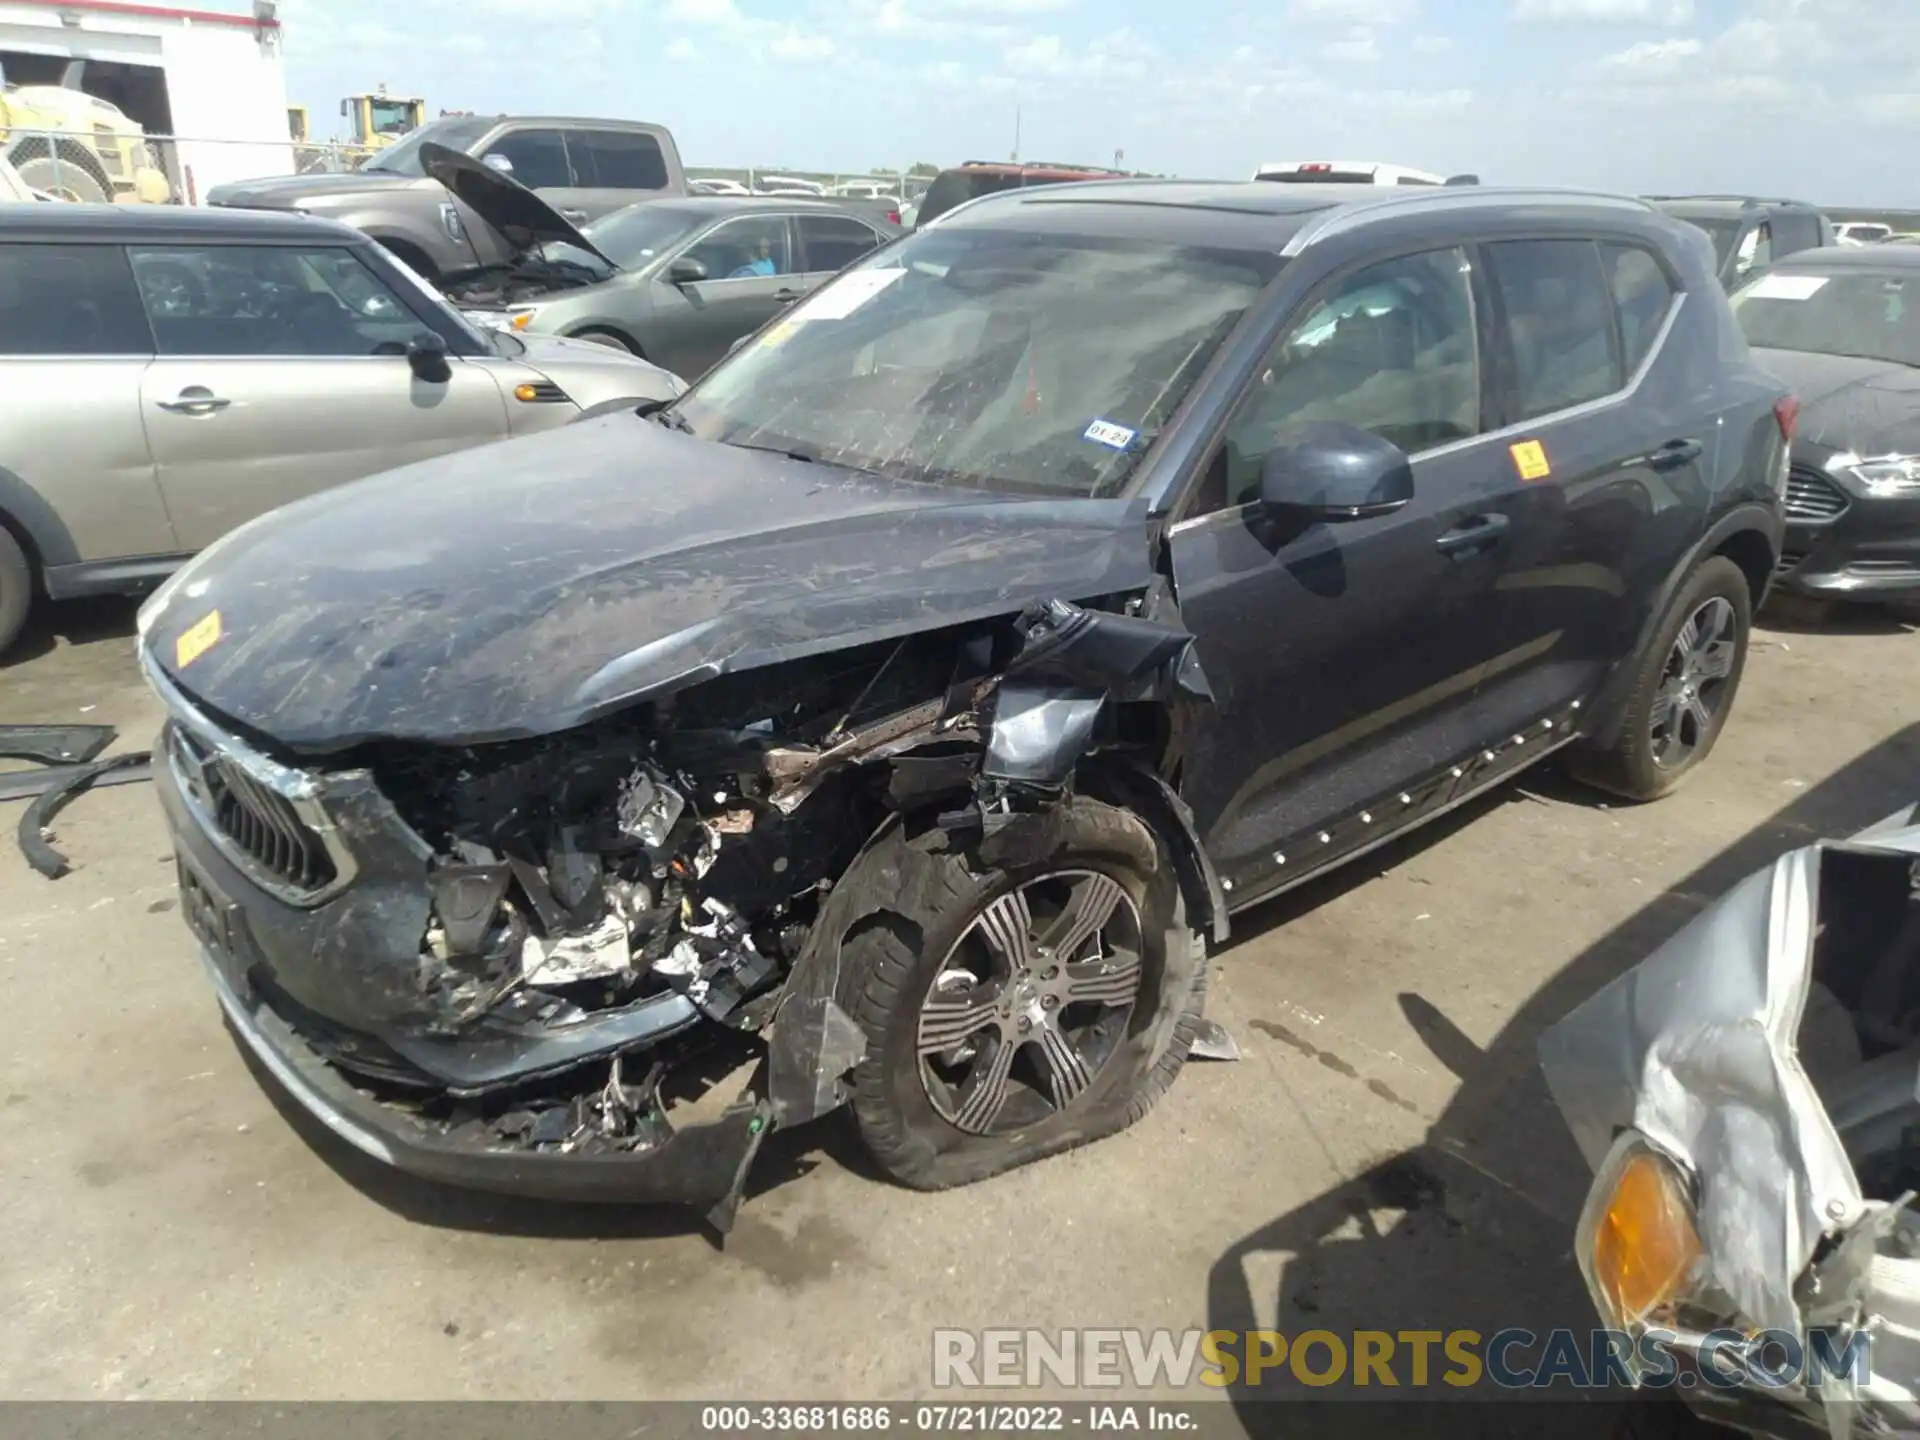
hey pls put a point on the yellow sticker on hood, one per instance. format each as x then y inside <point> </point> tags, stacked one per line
<point>197,639</point>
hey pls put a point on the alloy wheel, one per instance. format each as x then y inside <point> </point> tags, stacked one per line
<point>1693,685</point>
<point>1031,1003</point>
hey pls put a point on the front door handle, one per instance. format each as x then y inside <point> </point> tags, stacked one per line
<point>785,297</point>
<point>1674,454</point>
<point>1477,532</point>
<point>195,400</point>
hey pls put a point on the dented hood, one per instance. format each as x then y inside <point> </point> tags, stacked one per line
<point>1849,402</point>
<point>523,219</point>
<point>523,588</point>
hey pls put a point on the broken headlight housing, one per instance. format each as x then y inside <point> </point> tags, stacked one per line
<point>1637,1244</point>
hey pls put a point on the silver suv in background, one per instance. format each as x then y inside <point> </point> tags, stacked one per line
<point>584,168</point>
<point>172,373</point>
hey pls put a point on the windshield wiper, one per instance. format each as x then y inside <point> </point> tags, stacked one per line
<point>670,418</point>
<point>800,455</point>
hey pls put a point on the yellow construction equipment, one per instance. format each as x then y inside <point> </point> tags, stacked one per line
<point>379,119</point>
<point>74,146</point>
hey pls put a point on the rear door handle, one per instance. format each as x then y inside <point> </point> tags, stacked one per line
<point>1674,454</point>
<point>195,400</point>
<point>1478,532</point>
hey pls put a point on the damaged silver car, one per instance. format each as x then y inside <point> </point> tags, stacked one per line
<point>902,709</point>
<point>1748,1097</point>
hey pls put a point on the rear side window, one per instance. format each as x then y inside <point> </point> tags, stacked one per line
<point>617,160</point>
<point>538,157</point>
<point>1642,295</point>
<point>1559,319</point>
<point>833,242</point>
<point>70,300</point>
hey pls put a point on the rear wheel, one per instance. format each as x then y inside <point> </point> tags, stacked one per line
<point>1014,1013</point>
<point>16,589</point>
<point>1683,690</point>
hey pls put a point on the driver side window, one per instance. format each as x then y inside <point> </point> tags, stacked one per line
<point>269,301</point>
<point>1391,349</point>
<point>751,247</point>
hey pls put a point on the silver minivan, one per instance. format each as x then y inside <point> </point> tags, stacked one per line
<point>171,373</point>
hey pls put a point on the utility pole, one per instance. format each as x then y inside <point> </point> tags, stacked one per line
<point>1016,132</point>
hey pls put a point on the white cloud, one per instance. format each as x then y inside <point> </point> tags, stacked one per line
<point>1352,12</point>
<point>1653,57</point>
<point>683,50</point>
<point>1432,45</point>
<point>704,12</point>
<point>1122,55</point>
<point>1605,12</point>
<point>994,7</point>
<point>793,44</point>
<point>1357,48</point>
<point>1416,102</point>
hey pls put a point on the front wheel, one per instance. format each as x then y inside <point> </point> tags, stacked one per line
<point>1683,690</point>
<point>1015,1012</point>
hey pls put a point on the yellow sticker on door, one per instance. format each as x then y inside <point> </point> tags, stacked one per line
<point>197,639</point>
<point>1530,459</point>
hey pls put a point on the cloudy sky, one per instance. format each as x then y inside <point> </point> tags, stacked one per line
<point>1819,98</point>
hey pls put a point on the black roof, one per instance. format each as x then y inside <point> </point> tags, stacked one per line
<point>1269,216</point>
<point>160,224</point>
<point>735,204</point>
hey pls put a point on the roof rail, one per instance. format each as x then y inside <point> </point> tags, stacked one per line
<point>1741,199</point>
<point>1339,219</point>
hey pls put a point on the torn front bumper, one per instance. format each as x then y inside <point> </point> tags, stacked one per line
<point>1745,1052</point>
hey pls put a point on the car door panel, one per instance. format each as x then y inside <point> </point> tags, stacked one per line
<point>74,459</point>
<point>692,324</point>
<point>1598,493</point>
<point>292,427</point>
<point>283,372</point>
<point>1344,656</point>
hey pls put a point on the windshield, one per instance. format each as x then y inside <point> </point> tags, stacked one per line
<point>1874,314</point>
<point>988,359</point>
<point>403,158</point>
<point>640,233</point>
<point>1723,233</point>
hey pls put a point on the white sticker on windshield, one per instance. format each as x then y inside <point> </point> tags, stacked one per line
<point>842,297</point>
<point>1105,432</point>
<point>1786,287</point>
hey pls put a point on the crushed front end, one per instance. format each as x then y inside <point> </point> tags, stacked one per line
<point>1748,1097</point>
<point>590,965</point>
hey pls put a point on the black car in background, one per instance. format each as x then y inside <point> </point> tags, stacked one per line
<point>907,705</point>
<point>1842,327</point>
<point>1750,233</point>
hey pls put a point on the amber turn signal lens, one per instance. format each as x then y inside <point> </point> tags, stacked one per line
<point>1645,1247</point>
<point>522,320</point>
<point>526,392</point>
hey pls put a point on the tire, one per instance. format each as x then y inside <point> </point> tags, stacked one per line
<point>70,178</point>
<point>608,339</point>
<point>891,963</point>
<point>1636,767</point>
<point>16,589</point>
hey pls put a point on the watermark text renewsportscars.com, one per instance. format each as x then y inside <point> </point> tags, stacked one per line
<point>1510,1359</point>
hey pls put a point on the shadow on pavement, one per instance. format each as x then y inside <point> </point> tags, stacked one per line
<point>78,622</point>
<point>1473,1229</point>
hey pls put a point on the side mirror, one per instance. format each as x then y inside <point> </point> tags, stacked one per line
<point>1334,473</point>
<point>427,358</point>
<point>686,271</point>
<point>498,162</point>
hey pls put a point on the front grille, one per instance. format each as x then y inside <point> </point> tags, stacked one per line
<point>261,823</point>
<point>1812,496</point>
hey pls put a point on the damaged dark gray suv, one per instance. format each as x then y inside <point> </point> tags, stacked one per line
<point>901,711</point>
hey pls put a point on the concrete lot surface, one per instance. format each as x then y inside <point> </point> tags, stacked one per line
<point>1383,1157</point>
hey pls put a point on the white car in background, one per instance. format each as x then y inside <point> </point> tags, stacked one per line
<point>1345,172</point>
<point>1861,232</point>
